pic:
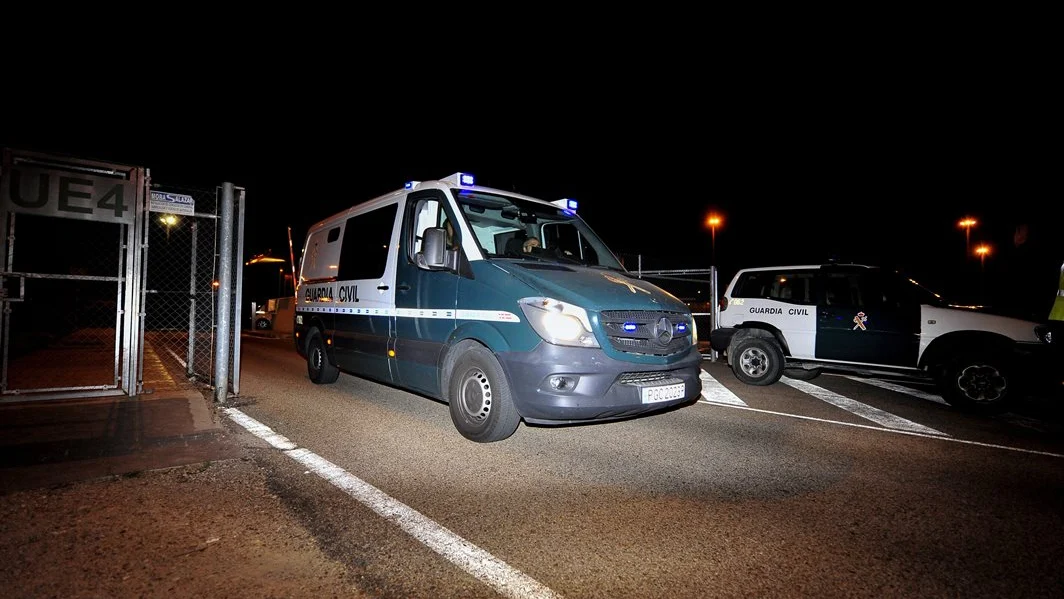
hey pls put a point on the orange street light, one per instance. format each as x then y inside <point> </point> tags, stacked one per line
<point>713,221</point>
<point>982,251</point>
<point>967,223</point>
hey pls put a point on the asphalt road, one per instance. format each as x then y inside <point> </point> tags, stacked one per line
<point>844,489</point>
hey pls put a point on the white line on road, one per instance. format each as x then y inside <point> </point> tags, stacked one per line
<point>897,432</point>
<point>715,392</point>
<point>900,389</point>
<point>506,580</point>
<point>863,410</point>
<point>260,430</point>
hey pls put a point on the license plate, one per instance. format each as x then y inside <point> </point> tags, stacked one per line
<point>663,393</point>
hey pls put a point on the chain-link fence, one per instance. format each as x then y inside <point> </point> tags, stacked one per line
<point>63,323</point>
<point>180,287</point>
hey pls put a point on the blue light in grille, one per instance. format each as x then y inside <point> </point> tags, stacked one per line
<point>629,327</point>
<point>681,328</point>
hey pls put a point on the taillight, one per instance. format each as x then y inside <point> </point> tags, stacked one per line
<point>723,303</point>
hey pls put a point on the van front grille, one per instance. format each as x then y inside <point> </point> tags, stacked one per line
<point>650,332</point>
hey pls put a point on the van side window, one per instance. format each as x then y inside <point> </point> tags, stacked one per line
<point>334,234</point>
<point>427,213</point>
<point>795,287</point>
<point>364,253</point>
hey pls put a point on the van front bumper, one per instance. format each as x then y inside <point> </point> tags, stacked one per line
<point>603,388</point>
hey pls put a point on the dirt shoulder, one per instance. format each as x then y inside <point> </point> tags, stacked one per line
<point>207,530</point>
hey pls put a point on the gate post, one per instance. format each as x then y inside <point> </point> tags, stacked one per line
<point>225,285</point>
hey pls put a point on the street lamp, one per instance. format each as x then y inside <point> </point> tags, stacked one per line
<point>713,221</point>
<point>982,251</point>
<point>967,223</point>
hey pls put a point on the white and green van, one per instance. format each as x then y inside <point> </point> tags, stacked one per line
<point>559,334</point>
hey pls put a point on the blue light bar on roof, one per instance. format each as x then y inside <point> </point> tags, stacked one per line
<point>465,179</point>
<point>570,204</point>
<point>412,184</point>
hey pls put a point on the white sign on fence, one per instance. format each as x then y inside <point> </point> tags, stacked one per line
<point>172,203</point>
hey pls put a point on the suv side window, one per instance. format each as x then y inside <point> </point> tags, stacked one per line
<point>872,289</point>
<point>792,286</point>
<point>841,289</point>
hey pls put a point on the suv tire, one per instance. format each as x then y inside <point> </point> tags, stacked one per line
<point>756,360</point>
<point>978,382</point>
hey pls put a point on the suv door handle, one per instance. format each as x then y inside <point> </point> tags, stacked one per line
<point>382,288</point>
<point>403,287</point>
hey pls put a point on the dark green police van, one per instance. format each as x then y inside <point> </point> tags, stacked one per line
<point>435,288</point>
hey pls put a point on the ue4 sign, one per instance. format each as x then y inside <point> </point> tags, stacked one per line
<point>83,196</point>
<point>172,203</point>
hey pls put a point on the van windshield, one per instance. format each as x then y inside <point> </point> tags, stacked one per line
<point>509,228</point>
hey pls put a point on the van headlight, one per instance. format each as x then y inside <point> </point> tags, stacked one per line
<point>557,322</point>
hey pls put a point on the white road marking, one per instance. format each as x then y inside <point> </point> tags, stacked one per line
<point>260,430</point>
<point>900,389</point>
<point>863,410</point>
<point>714,392</point>
<point>897,432</point>
<point>506,580</point>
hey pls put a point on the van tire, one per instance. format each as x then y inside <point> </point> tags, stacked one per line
<point>756,360</point>
<point>262,324</point>
<point>479,398</point>
<point>320,370</point>
<point>978,382</point>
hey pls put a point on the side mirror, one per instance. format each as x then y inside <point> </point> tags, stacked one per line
<point>434,254</point>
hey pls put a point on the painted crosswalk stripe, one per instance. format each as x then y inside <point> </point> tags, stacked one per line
<point>714,392</point>
<point>876,415</point>
<point>900,389</point>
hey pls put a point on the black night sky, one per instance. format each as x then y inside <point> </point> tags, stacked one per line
<point>804,164</point>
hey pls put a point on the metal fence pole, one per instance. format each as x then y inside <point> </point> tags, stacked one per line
<point>190,357</point>
<point>239,278</point>
<point>714,307</point>
<point>225,285</point>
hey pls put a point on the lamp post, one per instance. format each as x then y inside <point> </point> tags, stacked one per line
<point>982,251</point>
<point>967,223</point>
<point>713,221</point>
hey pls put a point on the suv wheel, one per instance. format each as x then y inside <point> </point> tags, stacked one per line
<point>756,360</point>
<point>977,382</point>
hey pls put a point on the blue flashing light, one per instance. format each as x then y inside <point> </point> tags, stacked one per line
<point>570,204</point>
<point>681,328</point>
<point>465,179</point>
<point>412,184</point>
<point>629,327</point>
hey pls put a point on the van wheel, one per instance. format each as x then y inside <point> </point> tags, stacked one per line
<point>320,370</point>
<point>978,382</point>
<point>801,374</point>
<point>756,360</point>
<point>480,402</point>
<point>262,324</point>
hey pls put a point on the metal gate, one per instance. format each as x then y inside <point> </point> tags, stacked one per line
<point>84,308</point>
<point>182,287</point>
<point>69,258</point>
